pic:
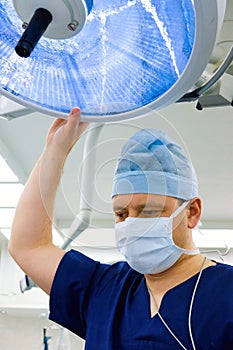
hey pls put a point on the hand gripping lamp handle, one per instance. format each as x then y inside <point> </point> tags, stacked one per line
<point>34,31</point>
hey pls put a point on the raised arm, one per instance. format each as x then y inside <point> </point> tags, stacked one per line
<point>31,238</point>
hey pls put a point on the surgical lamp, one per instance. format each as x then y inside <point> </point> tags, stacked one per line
<point>113,59</point>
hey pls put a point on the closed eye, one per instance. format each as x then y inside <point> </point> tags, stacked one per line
<point>120,215</point>
<point>150,213</point>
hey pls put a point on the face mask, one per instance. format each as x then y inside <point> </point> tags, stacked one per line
<point>147,243</point>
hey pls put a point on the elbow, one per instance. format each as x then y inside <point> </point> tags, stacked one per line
<point>13,252</point>
<point>16,246</point>
<point>12,249</point>
<point>12,244</point>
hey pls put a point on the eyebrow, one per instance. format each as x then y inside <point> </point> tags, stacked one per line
<point>150,205</point>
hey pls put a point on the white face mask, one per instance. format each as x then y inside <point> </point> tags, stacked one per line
<point>147,243</point>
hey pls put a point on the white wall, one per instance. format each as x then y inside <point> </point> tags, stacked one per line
<point>24,315</point>
<point>25,332</point>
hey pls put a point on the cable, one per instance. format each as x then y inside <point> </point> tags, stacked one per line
<point>164,322</point>
<point>191,305</point>
<point>170,331</point>
<point>190,312</point>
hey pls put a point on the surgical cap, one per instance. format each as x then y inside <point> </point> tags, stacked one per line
<point>151,162</point>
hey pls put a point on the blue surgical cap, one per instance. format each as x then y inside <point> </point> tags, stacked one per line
<point>151,162</point>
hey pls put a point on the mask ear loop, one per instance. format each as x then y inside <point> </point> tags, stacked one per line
<point>179,209</point>
<point>173,215</point>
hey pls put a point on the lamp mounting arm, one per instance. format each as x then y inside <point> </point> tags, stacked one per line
<point>195,94</point>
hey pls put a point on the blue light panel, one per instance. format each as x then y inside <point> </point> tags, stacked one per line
<point>128,55</point>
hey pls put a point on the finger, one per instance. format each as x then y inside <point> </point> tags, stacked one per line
<point>75,111</point>
<point>75,115</point>
<point>74,121</point>
<point>54,127</point>
<point>57,123</point>
<point>82,127</point>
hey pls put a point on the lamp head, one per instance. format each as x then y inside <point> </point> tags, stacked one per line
<point>128,57</point>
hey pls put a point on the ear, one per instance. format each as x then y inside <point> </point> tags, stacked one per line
<point>194,212</point>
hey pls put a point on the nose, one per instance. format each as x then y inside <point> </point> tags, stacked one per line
<point>133,213</point>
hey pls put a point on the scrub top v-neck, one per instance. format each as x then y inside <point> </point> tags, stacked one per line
<point>109,307</point>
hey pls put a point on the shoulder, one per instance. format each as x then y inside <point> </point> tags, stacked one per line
<point>221,275</point>
<point>224,268</point>
<point>83,267</point>
<point>78,272</point>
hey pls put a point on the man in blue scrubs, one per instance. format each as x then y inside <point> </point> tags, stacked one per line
<point>166,295</point>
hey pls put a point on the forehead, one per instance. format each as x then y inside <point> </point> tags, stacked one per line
<point>141,200</point>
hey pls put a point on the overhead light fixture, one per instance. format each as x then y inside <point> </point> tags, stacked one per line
<point>110,58</point>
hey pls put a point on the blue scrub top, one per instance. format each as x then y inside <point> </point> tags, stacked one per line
<point>109,307</point>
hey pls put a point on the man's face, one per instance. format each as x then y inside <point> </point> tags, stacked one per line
<point>143,206</point>
<point>151,206</point>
